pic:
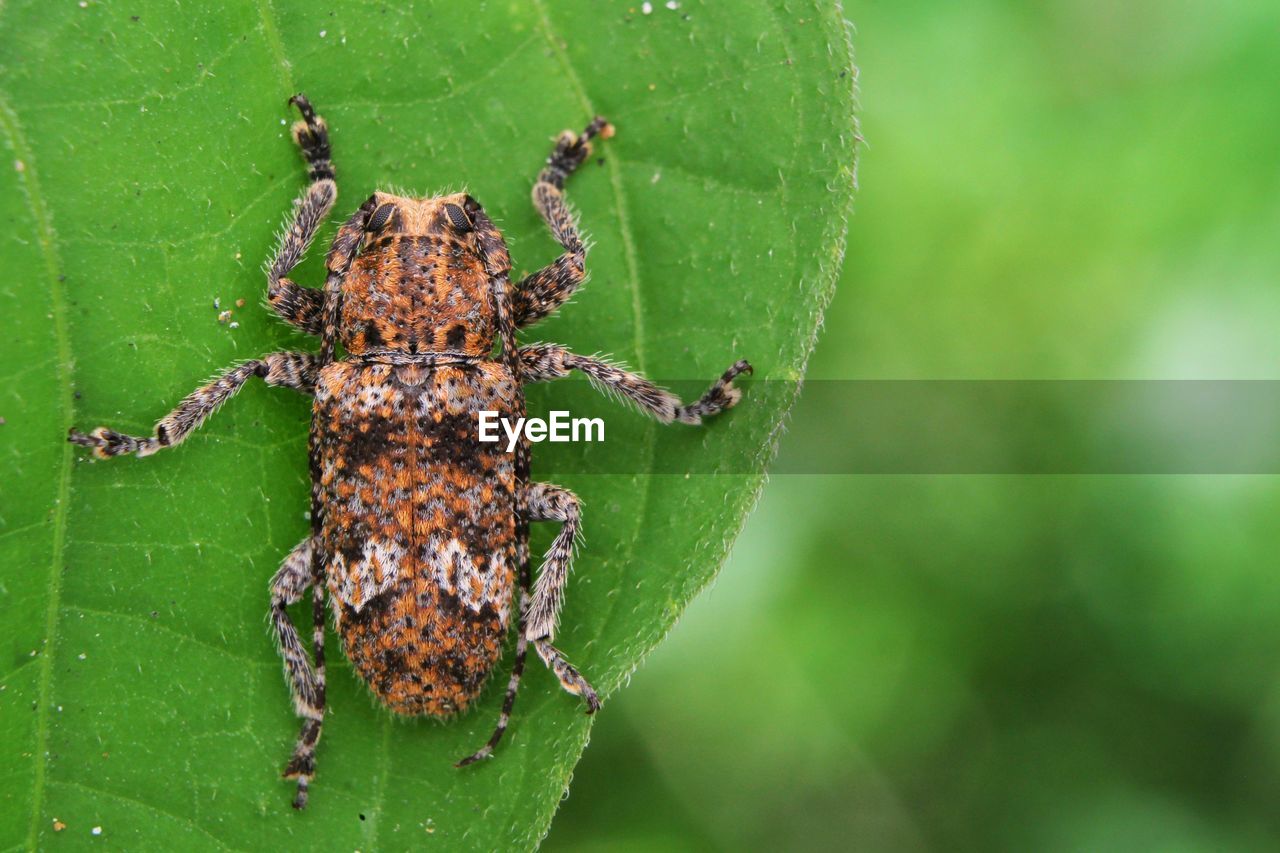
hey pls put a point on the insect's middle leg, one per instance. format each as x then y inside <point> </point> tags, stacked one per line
<point>543,362</point>
<point>297,370</point>
<point>544,291</point>
<point>301,306</point>
<point>542,611</point>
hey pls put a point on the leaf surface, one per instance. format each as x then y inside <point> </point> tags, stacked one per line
<point>151,169</point>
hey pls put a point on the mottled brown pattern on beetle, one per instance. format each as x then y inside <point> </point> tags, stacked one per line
<point>421,288</point>
<point>419,529</point>
<point>419,533</point>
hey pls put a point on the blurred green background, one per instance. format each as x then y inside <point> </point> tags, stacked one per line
<point>1060,190</point>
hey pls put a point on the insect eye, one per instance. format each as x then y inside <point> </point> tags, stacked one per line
<point>458,218</point>
<point>380,216</point>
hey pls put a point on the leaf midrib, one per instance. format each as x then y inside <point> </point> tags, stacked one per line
<point>615,179</point>
<point>633,274</point>
<point>27,177</point>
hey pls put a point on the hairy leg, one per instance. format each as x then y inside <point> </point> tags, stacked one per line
<point>543,362</point>
<point>552,503</point>
<point>310,703</point>
<point>508,702</point>
<point>295,370</point>
<point>288,587</point>
<point>544,291</point>
<point>546,503</point>
<point>570,679</point>
<point>298,305</point>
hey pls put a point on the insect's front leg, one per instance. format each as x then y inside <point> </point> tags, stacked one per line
<point>542,611</point>
<point>302,306</point>
<point>295,370</point>
<point>543,362</point>
<point>544,291</point>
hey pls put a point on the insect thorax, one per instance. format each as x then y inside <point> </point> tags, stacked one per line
<point>419,284</point>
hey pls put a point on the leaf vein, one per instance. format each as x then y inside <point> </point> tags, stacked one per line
<point>45,236</point>
<point>637,308</point>
<point>183,819</point>
<point>472,84</point>
<point>272,35</point>
<point>154,626</point>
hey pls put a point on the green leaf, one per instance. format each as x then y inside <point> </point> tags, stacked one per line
<point>149,169</point>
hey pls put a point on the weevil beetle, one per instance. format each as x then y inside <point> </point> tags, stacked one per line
<point>419,532</point>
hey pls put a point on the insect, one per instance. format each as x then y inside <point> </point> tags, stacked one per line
<point>419,532</point>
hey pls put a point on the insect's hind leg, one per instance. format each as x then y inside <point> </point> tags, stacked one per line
<point>301,306</point>
<point>553,503</point>
<point>288,587</point>
<point>508,701</point>
<point>539,610</point>
<point>310,704</point>
<point>570,679</point>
